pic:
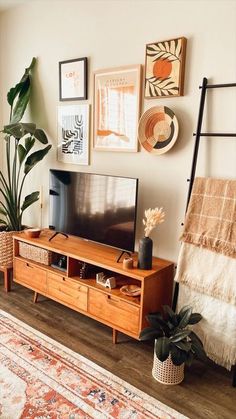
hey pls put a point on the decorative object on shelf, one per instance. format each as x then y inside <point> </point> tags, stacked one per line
<point>175,343</point>
<point>131,290</point>
<point>158,129</point>
<point>73,134</point>
<point>128,263</point>
<point>19,138</point>
<point>32,232</point>
<point>153,218</point>
<point>116,108</point>
<point>35,253</point>
<point>83,270</point>
<point>73,79</point>
<point>164,68</point>
<point>105,280</point>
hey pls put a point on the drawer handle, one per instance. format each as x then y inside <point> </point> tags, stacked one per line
<point>63,279</point>
<point>29,266</point>
<point>112,300</point>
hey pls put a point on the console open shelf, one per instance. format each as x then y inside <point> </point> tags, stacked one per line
<point>109,306</point>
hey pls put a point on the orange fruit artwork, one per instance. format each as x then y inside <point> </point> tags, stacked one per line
<point>162,69</point>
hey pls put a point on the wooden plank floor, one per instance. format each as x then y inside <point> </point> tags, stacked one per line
<point>205,393</point>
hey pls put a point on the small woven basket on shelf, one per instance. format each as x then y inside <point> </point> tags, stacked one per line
<point>6,248</point>
<point>35,253</point>
<point>166,372</point>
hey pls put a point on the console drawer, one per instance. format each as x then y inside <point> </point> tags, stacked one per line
<point>31,276</point>
<point>115,311</point>
<point>67,291</point>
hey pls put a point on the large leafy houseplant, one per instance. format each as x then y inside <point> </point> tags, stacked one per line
<point>173,336</point>
<point>20,138</point>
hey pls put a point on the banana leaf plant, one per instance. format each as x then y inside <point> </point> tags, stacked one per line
<point>20,138</point>
<point>173,336</point>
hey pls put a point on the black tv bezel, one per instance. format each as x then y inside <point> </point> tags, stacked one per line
<point>108,175</point>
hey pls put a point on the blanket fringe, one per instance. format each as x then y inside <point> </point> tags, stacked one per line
<point>217,291</point>
<point>215,245</point>
<point>219,352</point>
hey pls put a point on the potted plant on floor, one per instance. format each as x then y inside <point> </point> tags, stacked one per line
<point>175,343</point>
<point>20,158</point>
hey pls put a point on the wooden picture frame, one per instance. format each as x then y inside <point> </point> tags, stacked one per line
<point>73,134</point>
<point>164,68</point>
<point>73,79</point>
<point>117,108</point>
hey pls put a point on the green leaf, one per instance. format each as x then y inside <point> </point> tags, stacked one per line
<point>184,346</point>
<point>22,91</point>
<point>149,334</point>
<point>180,335</point>
<point>21,153</point>
<point>29,143</point>
<point>157,322</point>
<point>19,130</point>
<point>172,316</point>
<point>22,102</point>
<point>195,318</point>
<point>41,136</point>
<point>185,316</point>
<point>178,357</point>
<point>34,158</point>
<point>162,348</point>
<point>29,200</point>
<point>2,211</point>
<point>3,222</point>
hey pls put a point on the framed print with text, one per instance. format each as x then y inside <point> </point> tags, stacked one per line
<point>117,108</point>
<point>73,79</point>
<point>73,134</point>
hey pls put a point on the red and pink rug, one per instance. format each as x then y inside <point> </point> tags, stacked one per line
<point>40,378</point>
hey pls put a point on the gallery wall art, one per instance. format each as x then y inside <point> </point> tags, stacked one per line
<point>116,108</point>
<point>73,134</point>
<point>73,79</point>
<point>158,129</point>
<point>164,68</point>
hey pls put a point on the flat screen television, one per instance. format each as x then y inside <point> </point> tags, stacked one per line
<point>95,207</point>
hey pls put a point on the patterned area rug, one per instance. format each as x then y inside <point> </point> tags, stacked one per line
<point>40,378</point>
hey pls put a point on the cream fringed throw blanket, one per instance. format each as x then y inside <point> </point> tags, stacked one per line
<point>206,268</point>
<point>207,272</point>
<point>211,217</point>
<point>217,329</point>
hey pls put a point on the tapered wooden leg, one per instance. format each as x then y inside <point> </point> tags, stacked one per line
<point>7,279</point>
<point>114,336</point>
<point>35,297</point>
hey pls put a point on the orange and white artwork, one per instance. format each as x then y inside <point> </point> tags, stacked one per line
<point>164,69</point>
<point>116,108</point>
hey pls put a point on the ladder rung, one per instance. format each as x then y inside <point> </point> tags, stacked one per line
<point>215,86</point>
<point>215,134</point>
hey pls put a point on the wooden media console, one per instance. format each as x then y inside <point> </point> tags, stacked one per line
<point>109,306</point>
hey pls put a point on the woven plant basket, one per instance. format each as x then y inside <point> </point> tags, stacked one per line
<point>6,248</point>
<point>166,372</point>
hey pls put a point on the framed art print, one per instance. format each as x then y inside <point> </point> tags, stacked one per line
<point>116,108</point>
<point>73,79</point>
<point>73,134</point>
<point>164,68</point>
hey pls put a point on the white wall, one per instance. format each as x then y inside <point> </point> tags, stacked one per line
<point>114,33</point>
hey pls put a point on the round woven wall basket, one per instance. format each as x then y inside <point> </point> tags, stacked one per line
<point>6,248</point>
<point>166,372</point>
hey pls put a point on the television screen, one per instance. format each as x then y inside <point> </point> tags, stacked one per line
<point>100,208</point>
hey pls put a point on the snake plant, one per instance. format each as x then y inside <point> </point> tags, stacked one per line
<point>20,138</point>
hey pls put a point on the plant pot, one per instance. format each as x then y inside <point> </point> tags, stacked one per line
<point>6,248</point>
<point>145,253</point>
<point>166,372</point>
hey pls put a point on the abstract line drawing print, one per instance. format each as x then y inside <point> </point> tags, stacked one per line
<point>73,136</point>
